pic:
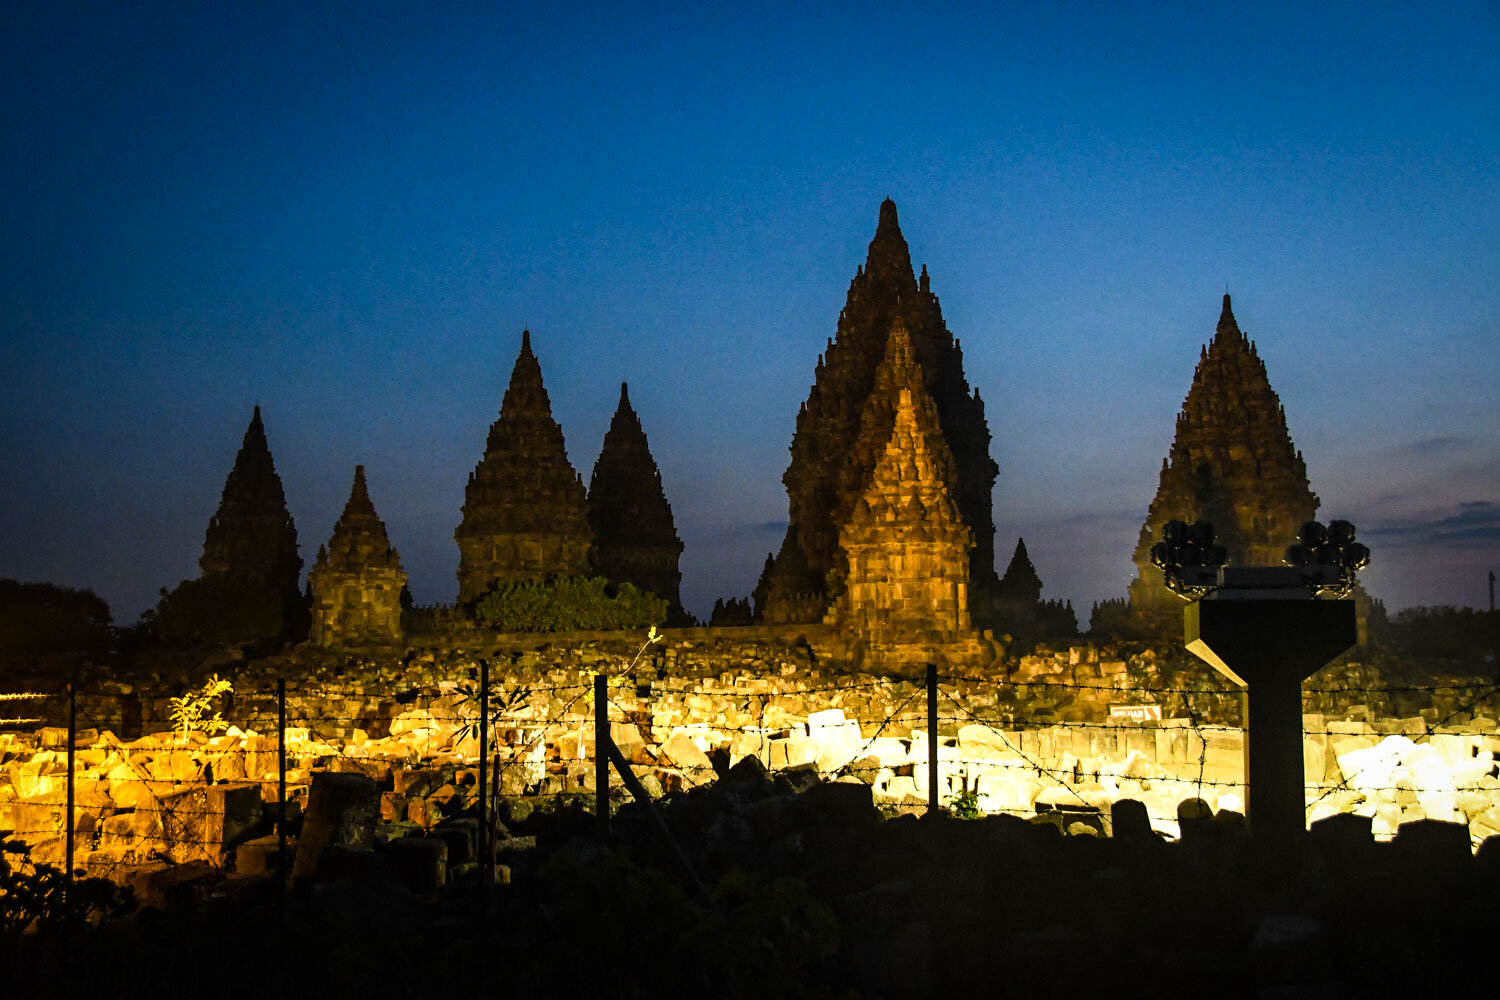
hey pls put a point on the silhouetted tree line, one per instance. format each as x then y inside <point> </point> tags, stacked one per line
<point>41,619</point>
<point>1444,630</point>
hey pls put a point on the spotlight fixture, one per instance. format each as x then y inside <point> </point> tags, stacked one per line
<point>1328,557</point>
<point>1188,558</point>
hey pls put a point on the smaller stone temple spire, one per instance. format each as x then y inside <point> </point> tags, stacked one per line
<point>635,539</point>
<point>525,507</point>
<point>252,535</point>
<point>1020,582</point>
<point>357,580</point>
<point>904,548</point>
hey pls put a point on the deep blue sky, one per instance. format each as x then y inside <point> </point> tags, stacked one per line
<point>347,213</point>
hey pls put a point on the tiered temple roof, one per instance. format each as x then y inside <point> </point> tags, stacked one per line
<point>357,580</point>
<point>1232,463</point>
<point>903,570</point>
<point>252,535</point>
<point>635,538</point>
<point>525,511</point>
<point>825,478</point>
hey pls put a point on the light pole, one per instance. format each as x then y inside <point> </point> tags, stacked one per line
<point>1267,629</point>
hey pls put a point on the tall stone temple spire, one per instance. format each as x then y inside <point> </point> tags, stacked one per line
<point>525,512</point>
<point>903,568</point>
<point>1232,463</point>
<point>357,580</point>
<point>252,535</point>
<point>823,481</point>
<point>635,538</point>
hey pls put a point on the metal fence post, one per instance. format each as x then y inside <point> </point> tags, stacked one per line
<point>69,823</point>
<point>281,781</point>
<point>601,752</point>
<point>932,740</point>
<point>487,845</point>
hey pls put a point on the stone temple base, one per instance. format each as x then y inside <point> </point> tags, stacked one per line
<point>908,654</point>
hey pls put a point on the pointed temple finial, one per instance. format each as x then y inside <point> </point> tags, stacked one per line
<point>525,341</point>
<point>1226,316</point>
<point>624,395</point>
<point>360,492</point>
<point>887,217</point>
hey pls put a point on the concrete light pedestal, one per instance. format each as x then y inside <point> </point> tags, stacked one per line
<point>1268,640</point>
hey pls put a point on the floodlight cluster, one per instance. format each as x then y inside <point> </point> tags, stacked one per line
<point>1189,558</point>
<point>1330,555</point>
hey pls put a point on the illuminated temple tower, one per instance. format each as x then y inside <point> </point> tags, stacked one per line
<point>1232,463</point>
<point>903,571</point>
<point>357,580</point>
<point>252,536</point>
<point>828,473</point>
<point>525,512</point>
<point>635,539</point>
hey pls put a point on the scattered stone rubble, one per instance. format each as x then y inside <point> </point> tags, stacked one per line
<point>164,799</point>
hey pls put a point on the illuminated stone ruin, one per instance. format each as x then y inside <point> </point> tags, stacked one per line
<point>252,536</point>
<point>821,487</point>
<point>904,566</point>
<point>1232,463</point>
<point>357,580</point>
<point>635,539</point>
<point>525,511</point>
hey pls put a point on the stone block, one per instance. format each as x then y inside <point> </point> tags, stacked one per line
<point>685,755</point>
<point>261,856</point>
<point>341,812</point>
<point>199,823</point>
<point>118,830</point>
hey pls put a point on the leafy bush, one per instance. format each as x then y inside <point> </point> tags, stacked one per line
<point>223,610</point>
<point>965,805</point>
<point>190,711</point>
<point>565,604</point>
<point>38,897</point>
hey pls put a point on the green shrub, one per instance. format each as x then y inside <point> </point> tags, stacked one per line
<point>965,805</point>
<point>566,604</point>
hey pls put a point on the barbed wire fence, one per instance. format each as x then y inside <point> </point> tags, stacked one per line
<point>181,795</point>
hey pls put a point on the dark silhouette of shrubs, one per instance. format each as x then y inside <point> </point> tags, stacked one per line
<point>565,604</point>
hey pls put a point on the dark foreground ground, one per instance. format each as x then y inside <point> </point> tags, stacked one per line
<point>812,893</point>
